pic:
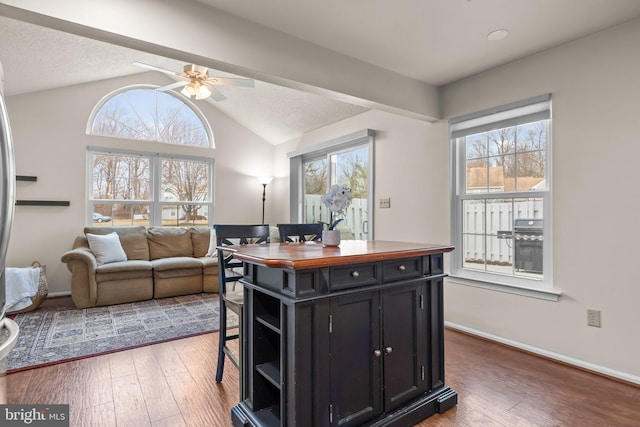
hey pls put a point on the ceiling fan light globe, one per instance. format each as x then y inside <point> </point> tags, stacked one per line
<point>189,90</point>
<point>203,92</point>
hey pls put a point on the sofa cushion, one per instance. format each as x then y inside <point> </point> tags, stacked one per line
<point>176,267</point>
<point>125,270</point>
<point>133,240</point>
<point>208,262</point>
<point>169,242</point>
<point>106,248</point>
<point>201,240</point>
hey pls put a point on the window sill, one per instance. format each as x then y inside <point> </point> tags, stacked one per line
<point>511,289</point>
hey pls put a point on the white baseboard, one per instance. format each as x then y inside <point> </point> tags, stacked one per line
<point>549,354</point>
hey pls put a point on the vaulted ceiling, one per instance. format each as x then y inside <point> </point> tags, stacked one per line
<point>435,42</point>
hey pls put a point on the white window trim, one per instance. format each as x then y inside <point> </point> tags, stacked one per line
<point>155,174</point>
<point>346,142</point>
<point>482,121</point>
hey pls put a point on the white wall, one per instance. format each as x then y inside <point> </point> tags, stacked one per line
<point>50,143</point>
<point>596,93</point>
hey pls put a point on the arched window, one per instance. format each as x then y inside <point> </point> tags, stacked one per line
<point>143,113</point>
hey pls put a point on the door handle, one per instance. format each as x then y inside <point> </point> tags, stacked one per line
<point>377,353</point>
<point>388,350</point>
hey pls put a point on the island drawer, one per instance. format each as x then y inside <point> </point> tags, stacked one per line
<point>400,269</point>
<point>351,276</point>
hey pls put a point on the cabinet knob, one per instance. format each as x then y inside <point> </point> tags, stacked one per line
<point>402,267</point>
<point>355,274</point>
<point>388,350</point>
<point>377,353</point>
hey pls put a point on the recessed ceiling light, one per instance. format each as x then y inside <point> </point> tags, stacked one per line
<point>498,34</point>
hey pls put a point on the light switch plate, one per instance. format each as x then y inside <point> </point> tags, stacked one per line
<point>385,203</point>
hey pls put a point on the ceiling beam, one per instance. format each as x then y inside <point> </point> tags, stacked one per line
<point>195,33</point>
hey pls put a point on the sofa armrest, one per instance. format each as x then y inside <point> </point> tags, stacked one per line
<point>83,255</point>
<point>82,264</point>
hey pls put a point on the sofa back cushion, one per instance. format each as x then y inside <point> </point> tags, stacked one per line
<point>200,239</point>
<point>169,242</point>
<point>133,240</point>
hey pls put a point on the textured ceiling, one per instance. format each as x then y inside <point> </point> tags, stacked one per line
<point>36,58</point>
<point>434,41</point>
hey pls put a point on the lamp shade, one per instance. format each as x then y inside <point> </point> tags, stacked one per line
<point>264,180</point>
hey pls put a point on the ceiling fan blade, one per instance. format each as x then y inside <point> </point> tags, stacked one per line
<point>172,86</point>
<point>216,94</point>
<point>230,81</point>
<point>154,68</point>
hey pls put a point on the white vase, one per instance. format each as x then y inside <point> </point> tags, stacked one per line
<point>331,237</point>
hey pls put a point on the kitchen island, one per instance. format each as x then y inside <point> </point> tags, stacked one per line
<point>349,335</point>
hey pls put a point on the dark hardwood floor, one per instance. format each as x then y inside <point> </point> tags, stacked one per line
<point>172,384</point>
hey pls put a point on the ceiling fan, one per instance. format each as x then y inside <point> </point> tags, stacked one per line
<point>198,83</point>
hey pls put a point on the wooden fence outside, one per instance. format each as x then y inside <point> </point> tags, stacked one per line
<point>500,217</point>
<point>355,224</point>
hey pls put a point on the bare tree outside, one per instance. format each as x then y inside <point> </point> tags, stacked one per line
<point>186,181</point>
<point>352,171</point>
<point>512,158</point>
<point>316,177</point>
<point>118,177</point>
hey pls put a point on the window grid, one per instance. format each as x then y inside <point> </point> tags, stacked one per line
<point>490,198</point>
<point>169,203</point>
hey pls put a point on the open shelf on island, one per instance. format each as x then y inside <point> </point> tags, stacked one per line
<point>271,371</point>
<point>269,320</point>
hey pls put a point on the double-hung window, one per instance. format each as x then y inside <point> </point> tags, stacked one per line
<point>149,189</point>
<point>501,198</point>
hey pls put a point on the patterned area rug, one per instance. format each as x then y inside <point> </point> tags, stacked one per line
<point>60,334</point>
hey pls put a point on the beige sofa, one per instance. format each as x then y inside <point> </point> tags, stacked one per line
<point>160,262</point>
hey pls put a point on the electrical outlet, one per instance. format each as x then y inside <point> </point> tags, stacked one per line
<point>593,318</point>
<point>385,203</point>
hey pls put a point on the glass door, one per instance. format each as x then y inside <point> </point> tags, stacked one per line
<point>349,167</point>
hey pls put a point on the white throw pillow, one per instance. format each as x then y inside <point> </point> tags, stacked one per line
<point>107,248</point>
<point>213,243</point>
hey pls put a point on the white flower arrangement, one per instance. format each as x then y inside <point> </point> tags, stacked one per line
<point>337,199</point>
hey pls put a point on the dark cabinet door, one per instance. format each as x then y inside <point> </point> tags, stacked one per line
<point>355,371</point>
<point>403,336</point>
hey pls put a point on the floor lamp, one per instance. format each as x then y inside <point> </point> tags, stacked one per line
<point>264,180</point>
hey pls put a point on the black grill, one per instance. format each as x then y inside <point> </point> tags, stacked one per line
<point>527,234</point>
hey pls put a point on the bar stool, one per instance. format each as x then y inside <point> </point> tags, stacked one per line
<point>230,271</point>
<point>300,232</point>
